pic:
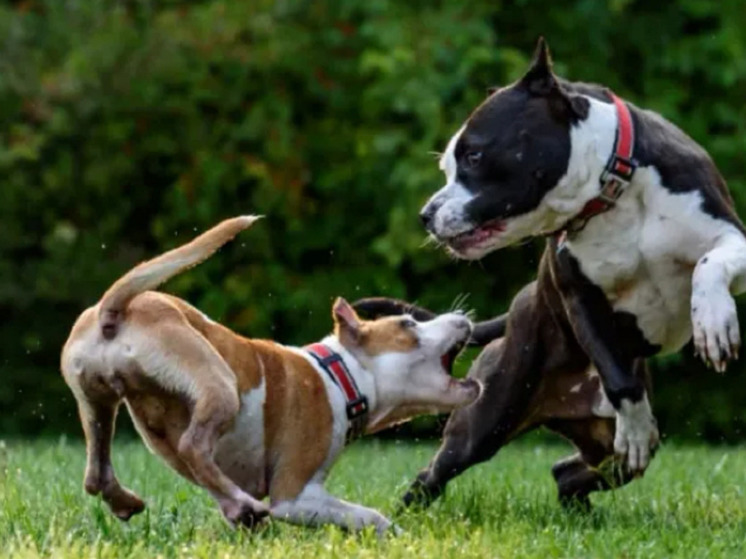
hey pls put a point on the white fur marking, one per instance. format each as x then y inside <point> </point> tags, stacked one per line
<point>240,451</point>
<point>449,201</point>
<point>636,433</point>
<point>715,321</point>
<point>314,506</point>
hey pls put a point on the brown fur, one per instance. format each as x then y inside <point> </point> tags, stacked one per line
<point>375,337</point>
<point>298,416</point>
<point>387,335</point>
<point>298,424</point>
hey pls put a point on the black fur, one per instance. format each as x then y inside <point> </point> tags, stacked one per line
<point>610,338</point>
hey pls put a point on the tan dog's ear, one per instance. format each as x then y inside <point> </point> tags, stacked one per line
<point>347,325</point>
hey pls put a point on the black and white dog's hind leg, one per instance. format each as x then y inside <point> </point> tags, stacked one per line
<point>594,467</point>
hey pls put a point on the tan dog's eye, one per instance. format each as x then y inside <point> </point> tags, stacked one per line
<point>408,323</point>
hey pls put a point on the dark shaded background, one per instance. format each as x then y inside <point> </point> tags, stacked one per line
<point>126,127</point>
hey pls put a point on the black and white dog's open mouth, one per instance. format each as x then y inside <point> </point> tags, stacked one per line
<point>475,236</point>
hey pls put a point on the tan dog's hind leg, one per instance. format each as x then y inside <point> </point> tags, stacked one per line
<point>211,417</point>
<point>179,358</point>
<point>97,415</point>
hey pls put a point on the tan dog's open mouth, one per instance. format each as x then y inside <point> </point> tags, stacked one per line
<point>449,358</point>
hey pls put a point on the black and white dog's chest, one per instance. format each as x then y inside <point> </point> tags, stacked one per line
<point>642,255</point>
<point>655,294</point>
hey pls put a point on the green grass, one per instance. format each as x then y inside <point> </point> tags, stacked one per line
<point>691,503</point>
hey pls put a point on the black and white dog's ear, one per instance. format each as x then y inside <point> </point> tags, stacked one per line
<point>540,80</point>
<point>577,105</point>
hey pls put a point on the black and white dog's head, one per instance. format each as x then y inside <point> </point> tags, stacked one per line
<point>510,170</point>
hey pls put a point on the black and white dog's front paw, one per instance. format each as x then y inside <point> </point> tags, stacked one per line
<point>717,337</point>
<point>636,437</point>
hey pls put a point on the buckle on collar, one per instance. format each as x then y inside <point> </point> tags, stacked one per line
<point>615,178</point>
<point>612,190</point>
<point>614,168</point>
<point>357,407</point>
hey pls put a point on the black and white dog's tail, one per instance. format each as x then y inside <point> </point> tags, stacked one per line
<point>375,307</point>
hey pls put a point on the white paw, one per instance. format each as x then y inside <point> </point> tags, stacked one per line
<point>717,337</point>
<point>636,436</point>
<point>396,530</point>
<point>384,527</point>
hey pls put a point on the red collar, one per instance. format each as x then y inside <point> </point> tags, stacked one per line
<point>615,177</point>
<point>357,404</point>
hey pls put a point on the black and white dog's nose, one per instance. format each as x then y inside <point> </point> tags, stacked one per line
<point>426,216</point>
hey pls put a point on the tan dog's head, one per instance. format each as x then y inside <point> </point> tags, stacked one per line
<point>410,362</point>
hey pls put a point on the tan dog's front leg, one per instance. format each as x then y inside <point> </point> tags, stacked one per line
<point>98,424</point>
<point>314,507</point>
<point>210,417</point>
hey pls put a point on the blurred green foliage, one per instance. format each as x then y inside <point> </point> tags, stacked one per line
<point>126,127</point>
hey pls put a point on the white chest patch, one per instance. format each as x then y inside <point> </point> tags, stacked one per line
<point>338,406</point>
<point>642,255</point>
<point>240,453</point>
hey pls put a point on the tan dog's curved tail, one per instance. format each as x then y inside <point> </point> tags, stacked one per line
<point>150,274</point>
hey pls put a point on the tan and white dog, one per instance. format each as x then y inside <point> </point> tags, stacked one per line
<point>248,419</point>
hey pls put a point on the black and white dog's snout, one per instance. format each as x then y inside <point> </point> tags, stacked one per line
<point>427,216</point>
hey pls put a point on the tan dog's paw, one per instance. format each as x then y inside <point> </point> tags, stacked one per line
<point>124,503</point>
<point>393,530</point>
<point>248,513</point>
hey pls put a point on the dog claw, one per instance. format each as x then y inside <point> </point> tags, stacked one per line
<point>715,329</point>
<point>250,518</point>
<point>125,514</point>
<point>248,515</point>
<point>124,504</point>
<point>420,495</point>
<point>636,436</point>
<point>396,530</point>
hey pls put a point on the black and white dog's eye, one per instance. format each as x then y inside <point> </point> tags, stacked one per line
<point>473,158</point>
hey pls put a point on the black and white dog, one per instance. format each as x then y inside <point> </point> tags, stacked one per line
<point>644,250</point>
